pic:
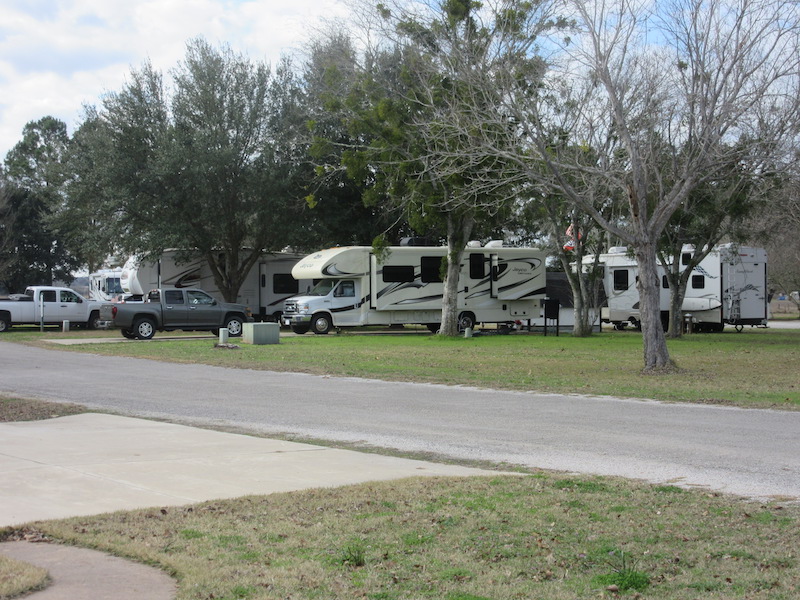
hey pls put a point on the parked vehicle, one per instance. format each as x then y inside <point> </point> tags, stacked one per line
<point>104,285</point>
<point>48,305</point>
<point>497,285</point>
<point>170,309</point>
<point>729,286</point>
<point>268,284</point>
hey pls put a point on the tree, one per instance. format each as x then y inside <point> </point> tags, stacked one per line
<point>201,165</point>
<point>36,248</point>
<point>710,83</point>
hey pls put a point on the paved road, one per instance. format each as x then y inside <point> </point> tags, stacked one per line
<point>749,452</point>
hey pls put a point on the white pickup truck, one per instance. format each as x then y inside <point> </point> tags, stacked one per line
<point>50,306</point>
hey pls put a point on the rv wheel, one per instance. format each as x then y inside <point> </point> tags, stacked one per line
<point>466,320</point>
<point>321,324</point>
<point>300,329</point>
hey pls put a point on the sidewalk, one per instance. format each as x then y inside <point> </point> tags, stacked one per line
<point>93,463</point>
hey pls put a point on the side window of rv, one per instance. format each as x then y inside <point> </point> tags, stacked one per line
<point>621,280</point>
<point>664,282</point>
<point>346,289</point>
<point>477,266</point>
<point>284,283</point>
<point>398,274</point>
<point>431,269</point>
<point>686,258</point>
<point>698,282</point>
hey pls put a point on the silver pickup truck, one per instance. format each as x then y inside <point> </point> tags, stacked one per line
<point>170,309</point>
<point>48,305</point>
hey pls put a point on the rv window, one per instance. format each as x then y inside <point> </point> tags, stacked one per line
<point>284,283</point>
<point>698,282</point>
<point>431,269</point>
<point>398,274</point>
<point>477,266</point>
<point>664,282</point>
<point>686,258</point>
<point>620,280</point>
<point>323,288</point>
<point>346,289</point>
<point>173,296</point>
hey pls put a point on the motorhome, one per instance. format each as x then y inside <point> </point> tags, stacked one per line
<point>729,286</point>
<point>268,284</point>
<point>104,285</point>
<point>356,287</point>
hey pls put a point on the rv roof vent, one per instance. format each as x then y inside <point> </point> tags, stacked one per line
<point>473,244</point>
<point>618,250</point>
<point>494,244</point>
<point>415,241</point>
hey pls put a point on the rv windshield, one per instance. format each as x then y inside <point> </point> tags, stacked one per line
<point>323,288</point>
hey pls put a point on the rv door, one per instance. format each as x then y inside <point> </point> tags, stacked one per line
<point>494,273</point>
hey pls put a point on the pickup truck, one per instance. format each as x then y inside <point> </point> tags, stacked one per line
<point>180,308</point>
<point>48,305</point>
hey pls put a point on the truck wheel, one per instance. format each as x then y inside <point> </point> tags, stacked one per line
<point>94,321</point>
<point>300,329</point>
<point>234,325</point>
<point>321,324</point>
<point>128,334</point>
<point>5,324</point>
<point>144,328</point>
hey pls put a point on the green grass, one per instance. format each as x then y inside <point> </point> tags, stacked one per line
<point>497,537</point>
<point>755,368</point>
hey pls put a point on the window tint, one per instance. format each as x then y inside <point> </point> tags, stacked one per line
<point>664,282</point>
<point>620,279</point>
<point>48,295</point>
<point>346,289</point>
<point>477,266</point>
<point>431,269</point>
<point>173,297</point>
<point>398,274</point>
<point>698,282</point>
<point>686,257</point>
<point>284,283</point>
<point>67,296</point>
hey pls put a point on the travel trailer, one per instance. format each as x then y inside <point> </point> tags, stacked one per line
<point>356,288</point>
<point>268,284</point>
<point>729,286</point>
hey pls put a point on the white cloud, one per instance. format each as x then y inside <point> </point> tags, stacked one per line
<point>56,57</point>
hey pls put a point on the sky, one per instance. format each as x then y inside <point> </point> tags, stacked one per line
<point>56,56</point>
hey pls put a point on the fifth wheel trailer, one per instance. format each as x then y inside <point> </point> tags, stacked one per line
<point>356,288</point>
<point>729,286</point>
<point>268,284</point>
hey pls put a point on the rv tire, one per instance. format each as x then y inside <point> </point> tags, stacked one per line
<point>466,320</point>
<point>300,329</point>
<point>321,324</point>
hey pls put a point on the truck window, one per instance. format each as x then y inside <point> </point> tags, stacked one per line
<point>431,269</point>
<point>620,280</point>
<point>173,297</point>
<point>398,274</point>
<point>197,297</point>
<point>67,296</point>
<point>48,295</point>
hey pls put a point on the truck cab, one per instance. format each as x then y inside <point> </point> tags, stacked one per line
<point>327,298</point>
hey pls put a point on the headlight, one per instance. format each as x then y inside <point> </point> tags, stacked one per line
<point>302,308</point>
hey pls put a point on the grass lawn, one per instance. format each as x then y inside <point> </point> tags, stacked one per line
<point>541,535</point>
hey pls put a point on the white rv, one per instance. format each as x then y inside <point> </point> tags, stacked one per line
<point>104,285</point>
<point>729,286</point>
<point>268,284</point>
<point>496,285</point>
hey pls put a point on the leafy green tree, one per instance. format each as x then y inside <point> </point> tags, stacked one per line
<point>202,164</point>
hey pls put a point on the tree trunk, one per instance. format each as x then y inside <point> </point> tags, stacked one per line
<point>656,355</point>
<point>458,232</point>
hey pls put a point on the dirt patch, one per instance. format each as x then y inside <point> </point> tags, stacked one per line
<point>19,409</point>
